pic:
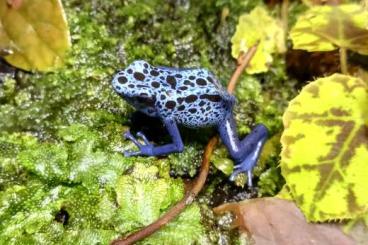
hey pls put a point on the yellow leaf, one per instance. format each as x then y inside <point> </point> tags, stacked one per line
<point>326,28</point>
<point>284,193</point>
<point>34,33</point>
<point>258,26</point>
<point>325,148</point>
<point>323,2</point>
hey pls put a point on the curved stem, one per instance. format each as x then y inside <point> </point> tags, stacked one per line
<point>243,62</point>
<point>199,182</point>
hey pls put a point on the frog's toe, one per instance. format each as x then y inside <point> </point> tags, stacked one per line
<point>235,173</point>
<point>143,137</point>
<point>144,150</point>
<point>240,169</point>
<point>131,153</point>
<point>127,135</point>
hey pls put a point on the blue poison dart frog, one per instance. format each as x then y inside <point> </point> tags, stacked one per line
<point>192,97</point>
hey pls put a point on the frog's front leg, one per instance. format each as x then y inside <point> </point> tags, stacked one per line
<point>148,149</point>
<point>245,152</point>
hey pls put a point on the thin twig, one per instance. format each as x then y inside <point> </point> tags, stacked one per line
<point>343,61</point>
<point>285,16</point>
<point>199,182</point>
<point>243,62</point>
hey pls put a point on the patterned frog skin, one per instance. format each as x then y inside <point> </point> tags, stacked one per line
<point>192,97</point>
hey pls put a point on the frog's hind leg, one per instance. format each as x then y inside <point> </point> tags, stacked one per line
<point>245,152</point>
<point>148,149</point>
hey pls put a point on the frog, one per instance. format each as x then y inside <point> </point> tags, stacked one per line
<point>192,97</point>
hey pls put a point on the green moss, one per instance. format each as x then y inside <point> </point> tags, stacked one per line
<point>185,229</point>
<point>249,101</point>
<point>29,215</point>
<point>144,192</point>
<point>270,182</point>
<point>47,161</point>
<point>81,155</point>
<point>188,161</point>
<point>147,192</point>
<point>26,210</point>
<point>11,173</point>
<point>31,210</point>
<point>8,88</point>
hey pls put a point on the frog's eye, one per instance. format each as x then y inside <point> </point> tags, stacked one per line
<point>139,65</point>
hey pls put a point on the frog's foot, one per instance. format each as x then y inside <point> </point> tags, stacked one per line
<point>144,149</point>
<point>240,169</point>
<point>249,162</point>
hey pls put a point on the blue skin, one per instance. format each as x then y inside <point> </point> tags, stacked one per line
<point>191,97</point>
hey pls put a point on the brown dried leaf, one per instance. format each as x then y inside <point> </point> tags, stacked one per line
<point>278,221</point>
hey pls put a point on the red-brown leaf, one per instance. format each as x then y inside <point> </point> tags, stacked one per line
<point>278,221</point>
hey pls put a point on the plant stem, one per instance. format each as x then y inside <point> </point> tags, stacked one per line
<point>343,61</point>
<point>285,16</point>
<point>199,182</point>
<point>243,62</point>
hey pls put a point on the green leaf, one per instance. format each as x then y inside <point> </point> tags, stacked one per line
<point>325,28</point>
<point>221,161</point>
<point>258,26</point>
<point>34,33</point>
<point>325,148</point>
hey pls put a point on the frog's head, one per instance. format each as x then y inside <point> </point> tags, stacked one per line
<point>133,84</point>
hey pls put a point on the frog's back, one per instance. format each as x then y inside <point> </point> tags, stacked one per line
<point>192,96</point>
